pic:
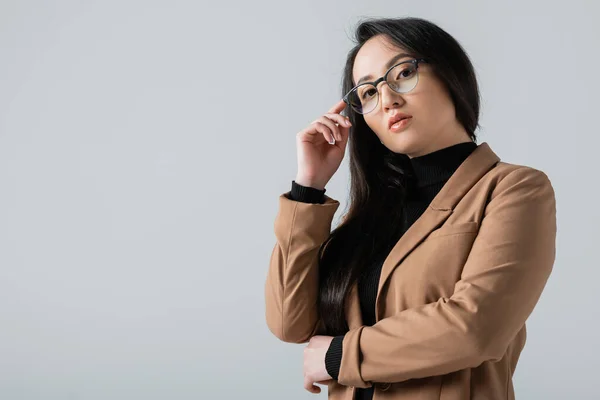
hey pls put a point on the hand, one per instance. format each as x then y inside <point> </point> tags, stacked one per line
<point>314,363</point>
<point>319,155</point>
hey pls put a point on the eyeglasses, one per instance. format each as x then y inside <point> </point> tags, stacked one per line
<point>401,78</point>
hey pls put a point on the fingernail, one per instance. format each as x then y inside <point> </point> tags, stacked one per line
<point>332,141</point>
<point>348,123</point>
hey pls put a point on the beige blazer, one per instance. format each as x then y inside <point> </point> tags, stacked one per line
<point>454,293</point>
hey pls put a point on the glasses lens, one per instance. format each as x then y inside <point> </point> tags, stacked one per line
<point>403,78</point>
<point>363,98</point>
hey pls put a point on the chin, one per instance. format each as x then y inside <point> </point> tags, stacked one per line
<point>403,142</point>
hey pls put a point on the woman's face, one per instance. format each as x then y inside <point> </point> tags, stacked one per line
<point>433,124</point>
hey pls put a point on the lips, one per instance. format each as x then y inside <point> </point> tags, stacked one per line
<point>396,118</point>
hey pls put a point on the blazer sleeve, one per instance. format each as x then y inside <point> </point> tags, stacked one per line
<point>501,282</point>
<point>292,283</point>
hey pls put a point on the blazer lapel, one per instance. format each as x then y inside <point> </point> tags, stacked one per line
<point>477,164</point>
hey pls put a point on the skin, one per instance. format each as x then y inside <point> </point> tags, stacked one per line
<point>314,363</point>
<point>433,127</point>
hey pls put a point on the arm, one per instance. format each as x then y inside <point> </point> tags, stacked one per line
<point>502,280</point>
<point>292,283</point>
<point>334,353</point>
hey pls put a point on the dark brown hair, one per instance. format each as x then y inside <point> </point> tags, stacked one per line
<point>378,182</point>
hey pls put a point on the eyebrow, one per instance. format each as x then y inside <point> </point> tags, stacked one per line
<point>389,64</point>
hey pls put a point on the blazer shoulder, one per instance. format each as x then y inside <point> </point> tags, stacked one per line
<point>515,179</point>
<point>504,170</point>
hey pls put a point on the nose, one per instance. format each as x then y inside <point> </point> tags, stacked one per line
<point>388,97</point>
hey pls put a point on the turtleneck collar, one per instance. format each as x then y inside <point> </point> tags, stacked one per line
<point>439,165</point>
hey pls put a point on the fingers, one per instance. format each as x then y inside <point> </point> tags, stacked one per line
<point>344,122</point>
<point>331,121</point>
<point>308,385</point>
<point>326,130</point>
<point>337,107</point>
<point>332,127</point>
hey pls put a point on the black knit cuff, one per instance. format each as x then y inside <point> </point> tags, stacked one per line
<point>333,357</point>
<point>307,194</point>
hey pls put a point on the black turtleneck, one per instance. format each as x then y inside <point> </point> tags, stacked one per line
<point>429,174</point>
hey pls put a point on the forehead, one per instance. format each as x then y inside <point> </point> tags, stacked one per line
<point>373,56</point>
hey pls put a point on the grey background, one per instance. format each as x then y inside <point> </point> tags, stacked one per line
<point>143,147</point>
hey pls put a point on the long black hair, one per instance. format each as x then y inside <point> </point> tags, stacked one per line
<point>378,177</point>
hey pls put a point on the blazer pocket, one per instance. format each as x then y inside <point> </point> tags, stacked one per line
<point>453,229</point>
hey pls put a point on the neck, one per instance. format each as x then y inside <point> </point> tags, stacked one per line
<point>442,141</point>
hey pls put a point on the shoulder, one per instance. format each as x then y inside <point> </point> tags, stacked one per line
<point>503,170</point>
<point>506,178</point>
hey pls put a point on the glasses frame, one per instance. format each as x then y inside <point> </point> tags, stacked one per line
<point>415,61</point>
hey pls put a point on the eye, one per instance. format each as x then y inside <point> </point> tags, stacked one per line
<point>368,93</point>
<point>405,73</point>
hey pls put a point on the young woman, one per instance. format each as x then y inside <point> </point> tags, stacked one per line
<point>423,290</point>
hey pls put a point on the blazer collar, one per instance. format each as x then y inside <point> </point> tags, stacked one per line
<point>477,164</point>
